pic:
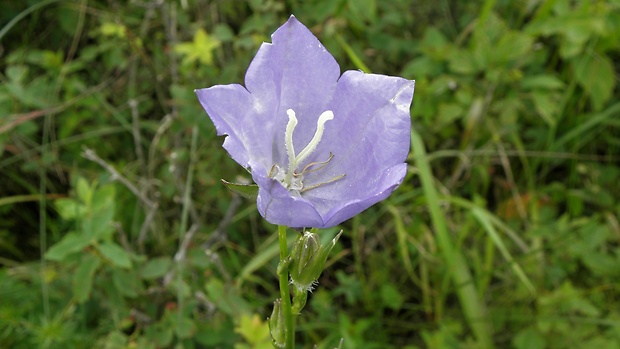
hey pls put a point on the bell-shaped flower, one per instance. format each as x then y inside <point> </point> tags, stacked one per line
<point>322,147</point>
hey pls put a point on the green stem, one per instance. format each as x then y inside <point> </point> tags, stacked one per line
<point>284,289</point>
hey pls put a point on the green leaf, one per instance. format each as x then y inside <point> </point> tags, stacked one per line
<point>249,191</point>
<point>229,301</point>
<point>449,113</point>
<point>185,328</point>
<point>68,19</point>
<point>197,258</point>
<point>422,67</point>
<point>156,268</point>
<point>529,338</point>
<point>101,213</point>
<point>83,277</point>
<point>103,198</point>
<point>113,29</point>
<point>84,191</point>
<point>254,330</point>
<point>70,243</point>
<point>216,334</point>
<point>159,334</point>
<point>365,10</point>
<point>45,58</point>
<point>544,81</point>
<point>17,73</point>
<point>511,48</point>
<point>602,264</point>
<point>115,254</point>
<point>116,340</point>
<point>595,73</point>
<point>69,209</point>
<point>31,95</point>
<point>463,62</point>
<point>126,282</point>
<point>223,32</point>
<point>199,50</point>
<point>180,287</point>
<point>434,45</point>
<point>391,297</point>
<point>547,105</point>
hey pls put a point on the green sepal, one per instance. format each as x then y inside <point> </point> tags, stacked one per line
<point>249,191</point>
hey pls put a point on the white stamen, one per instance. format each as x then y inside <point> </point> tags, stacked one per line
<point>293,159</point>
<point>320,127</point>
<point>288,139</point>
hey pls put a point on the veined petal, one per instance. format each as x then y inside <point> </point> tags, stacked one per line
<point>236,113</point>
<point>296,72</point>
<point>390,180</point>
<point>369,135</point>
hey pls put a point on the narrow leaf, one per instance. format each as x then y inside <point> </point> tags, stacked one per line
<point>249,191</point>
<point>490,229</point>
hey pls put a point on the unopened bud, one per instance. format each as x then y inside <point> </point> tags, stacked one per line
<point>308,258</point>
<point>277,327</point>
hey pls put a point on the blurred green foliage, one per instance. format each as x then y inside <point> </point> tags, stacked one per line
<point>517,105</point>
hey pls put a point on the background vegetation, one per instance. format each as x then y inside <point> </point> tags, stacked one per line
<point>115,231</point>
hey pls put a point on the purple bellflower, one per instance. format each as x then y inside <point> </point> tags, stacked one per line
<point>321,147</point>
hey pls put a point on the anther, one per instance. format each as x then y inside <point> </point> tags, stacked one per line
<point>314,186</point>
<point>321,163</point>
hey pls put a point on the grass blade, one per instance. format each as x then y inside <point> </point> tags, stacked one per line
<point>488,227</point>
<point>473,307</point>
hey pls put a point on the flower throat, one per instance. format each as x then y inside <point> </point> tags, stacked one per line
<point>291,179</point>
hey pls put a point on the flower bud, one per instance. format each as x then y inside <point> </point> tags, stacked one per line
<point>277,327</point>
<point>308,257</point>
